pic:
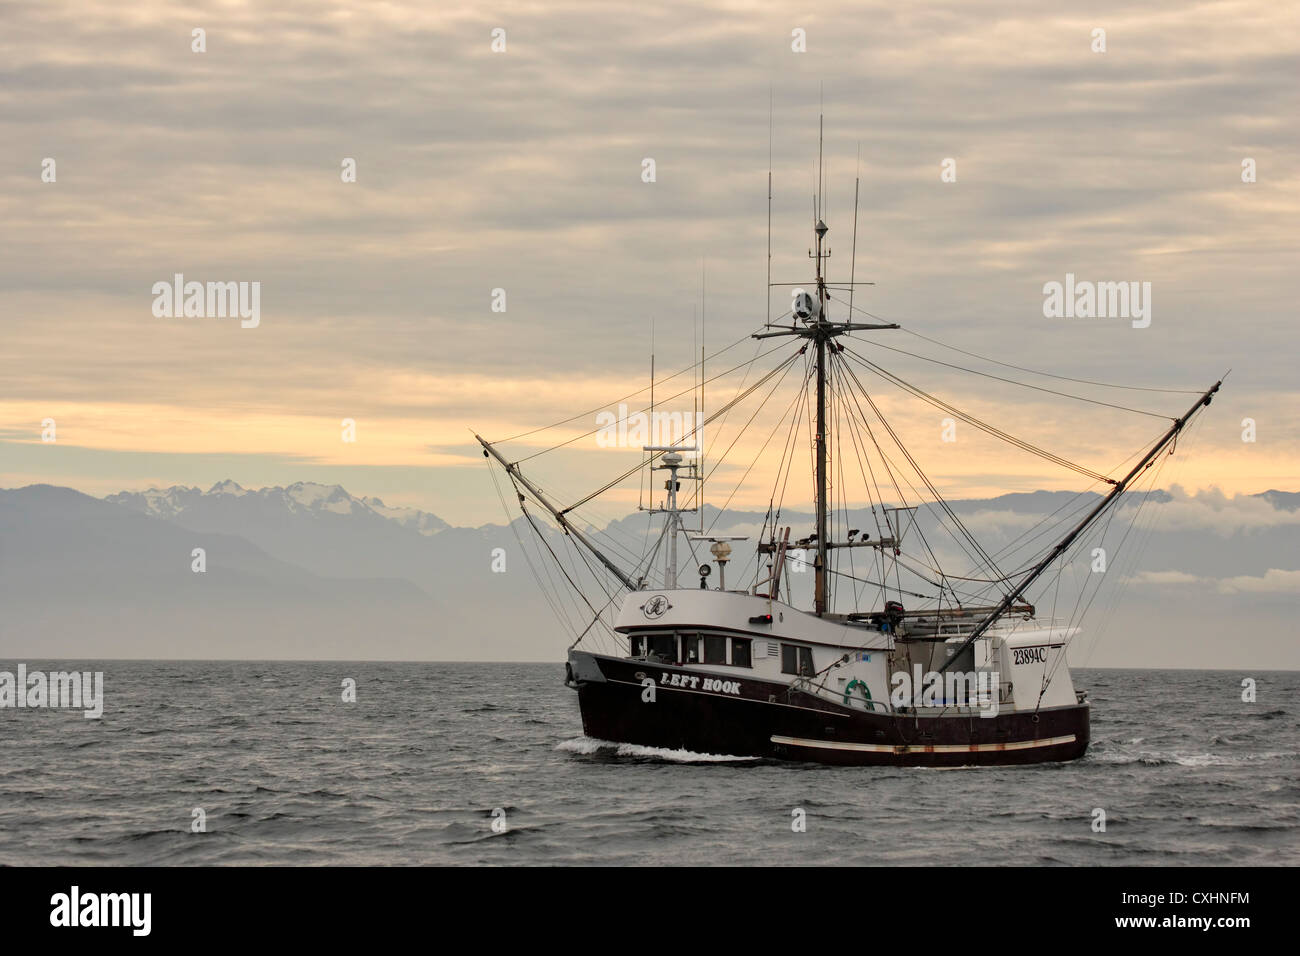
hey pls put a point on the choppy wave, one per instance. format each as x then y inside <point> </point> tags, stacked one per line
<point>487,763</point>
<point>1155,758</point>
<point>590,745</point>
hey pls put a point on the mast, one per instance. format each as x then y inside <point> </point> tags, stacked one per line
<point>820,565</point>
<point>1064,544</point>
<point>823,496</point>
<point>672,461</point>
<point>823,491</point>
<point>812,312</point>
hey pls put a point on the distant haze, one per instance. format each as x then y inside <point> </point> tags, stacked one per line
<point>311,572</point>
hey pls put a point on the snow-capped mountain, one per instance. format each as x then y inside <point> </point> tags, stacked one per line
<point>311,571</point>
<point>299,498</point>
<point>84,577</point>
<point>421,521</point>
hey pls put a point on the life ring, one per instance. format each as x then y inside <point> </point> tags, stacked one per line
<point>857,683</point>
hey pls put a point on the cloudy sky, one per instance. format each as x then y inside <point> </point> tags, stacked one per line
<point>522,170</point>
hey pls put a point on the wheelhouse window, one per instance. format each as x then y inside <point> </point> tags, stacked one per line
<point>796,660</point>
<point>715,650</point>
<point>740,652</point>
<point>662,646</point>
<point>690,649</point>
<point>637,645</point>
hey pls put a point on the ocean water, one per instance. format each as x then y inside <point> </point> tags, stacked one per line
<point>412,772</point>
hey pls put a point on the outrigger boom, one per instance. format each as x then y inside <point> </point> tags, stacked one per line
<point>1120,487</point>
<point>512,469</point>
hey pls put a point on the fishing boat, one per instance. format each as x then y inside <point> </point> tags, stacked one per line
<point>891,660</point>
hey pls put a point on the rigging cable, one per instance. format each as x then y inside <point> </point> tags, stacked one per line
<point>600,428</point>
<point>1066,378</point>
<point>1019,368</point>
<point>639,465</point>
<point>601,408</point>
<point>561,617</point>
<point>978,423</point>
<point>983,556</point>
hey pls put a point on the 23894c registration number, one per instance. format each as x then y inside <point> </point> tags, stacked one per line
<point>1029,655</point>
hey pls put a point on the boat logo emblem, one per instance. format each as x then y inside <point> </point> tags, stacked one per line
<point>656,607</point>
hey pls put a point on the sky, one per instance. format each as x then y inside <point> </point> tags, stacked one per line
<point>523,170</point>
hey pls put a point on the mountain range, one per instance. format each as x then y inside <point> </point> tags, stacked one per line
<point>310,571</point>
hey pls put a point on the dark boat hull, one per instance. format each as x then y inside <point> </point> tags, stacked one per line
<point>766,719</point>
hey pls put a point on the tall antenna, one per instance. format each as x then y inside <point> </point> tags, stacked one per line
<point>769,206</point>
<point>819,165</point>
<point>699,439</point>
<point>853,258</point>
<point>652,400</point>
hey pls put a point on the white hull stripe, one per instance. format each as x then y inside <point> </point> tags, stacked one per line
<point>924,748</point>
